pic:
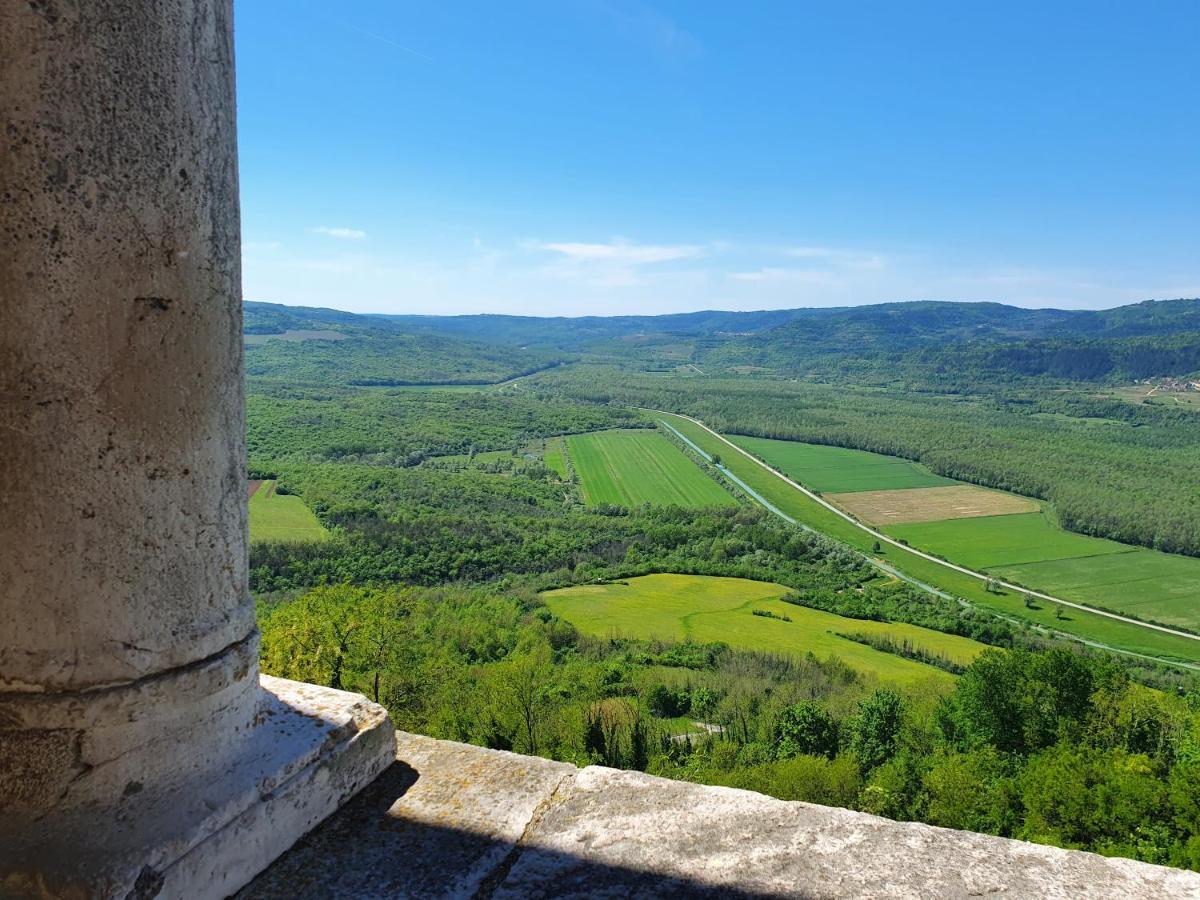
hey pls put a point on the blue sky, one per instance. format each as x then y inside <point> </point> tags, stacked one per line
<point>574,157</point>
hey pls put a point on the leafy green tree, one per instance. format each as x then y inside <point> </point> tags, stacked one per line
<point>805,727</point>
<point>815,779</point>
<point>668,702</point>
<point>1074,797</point>
<point>1184,793</point>
<point>894,788</point>
<point>1137,719</point>
<point>521,688</point>
<point>971,791</point>
<point>639,743</point>
<point>875,729</point>
<point>344,636</point>
<point>594,743</point>
<point>1017,701</point>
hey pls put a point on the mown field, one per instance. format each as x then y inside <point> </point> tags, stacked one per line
<point>631,467</point>
<point>1031,550</point>
<point>836,469</point>
<point>281,517</point>
<point>984,543</point>
<point>701,608</point>
<point>932,504</point>
<point>1116,634</point>
<point>1147,583</point>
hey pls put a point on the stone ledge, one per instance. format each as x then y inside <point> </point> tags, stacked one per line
<point>452,820</point>
<point>310,750</point>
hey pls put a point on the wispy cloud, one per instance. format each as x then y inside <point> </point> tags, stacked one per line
<point>344,234</point>
<point>618,251</point>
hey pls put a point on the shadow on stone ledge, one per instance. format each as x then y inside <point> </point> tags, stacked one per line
<point>366,850</point>
<point>453,820</point>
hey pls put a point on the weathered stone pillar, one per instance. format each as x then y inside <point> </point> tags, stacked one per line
<point>133,728</point>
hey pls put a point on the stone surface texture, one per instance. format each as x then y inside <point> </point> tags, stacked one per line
<point>140,755</point>
<point>122,515</point>
<point>206,834</point>
<point>451,820</point>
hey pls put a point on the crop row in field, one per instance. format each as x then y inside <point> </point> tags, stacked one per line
<point>631,467</point>
<point>710,609</point>
<point>1114,633</point>
<point>281,517</point>
<point>837,469</point>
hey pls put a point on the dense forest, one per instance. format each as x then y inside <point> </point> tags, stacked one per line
<point>402,428</point>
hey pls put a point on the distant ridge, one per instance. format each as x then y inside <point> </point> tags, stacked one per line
<point>977,341</point>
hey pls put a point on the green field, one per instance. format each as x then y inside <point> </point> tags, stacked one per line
<point>836,469</point>
<point>555,457</point>
<point>1146,583</point>
<point>706,609</point>
<point>1085,625</point>
<point>989,541</point>
<point>282,517</point>
<point>631,467</point>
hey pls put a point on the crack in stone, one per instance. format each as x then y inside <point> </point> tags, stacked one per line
<point>498,875</point>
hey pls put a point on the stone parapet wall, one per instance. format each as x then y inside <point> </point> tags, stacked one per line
<point>455,820</point>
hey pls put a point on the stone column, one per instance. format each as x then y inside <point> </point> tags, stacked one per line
<point>128,649</point>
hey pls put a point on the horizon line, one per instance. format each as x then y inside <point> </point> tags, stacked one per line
<point>515,315</point>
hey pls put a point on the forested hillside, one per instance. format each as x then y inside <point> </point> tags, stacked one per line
<point>921,345</point>
<point>401,428</point>
<point>972,346</point>
<point>326,347</point>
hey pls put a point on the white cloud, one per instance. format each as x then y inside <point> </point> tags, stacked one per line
<point>618,251</point>
<point>620,276</point>
<point>345,234</point>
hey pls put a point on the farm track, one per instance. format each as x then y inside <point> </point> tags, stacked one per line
<point>883,538</point>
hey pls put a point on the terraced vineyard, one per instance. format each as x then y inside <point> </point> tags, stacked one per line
<point>630,467</point>
<point>705,609</point>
